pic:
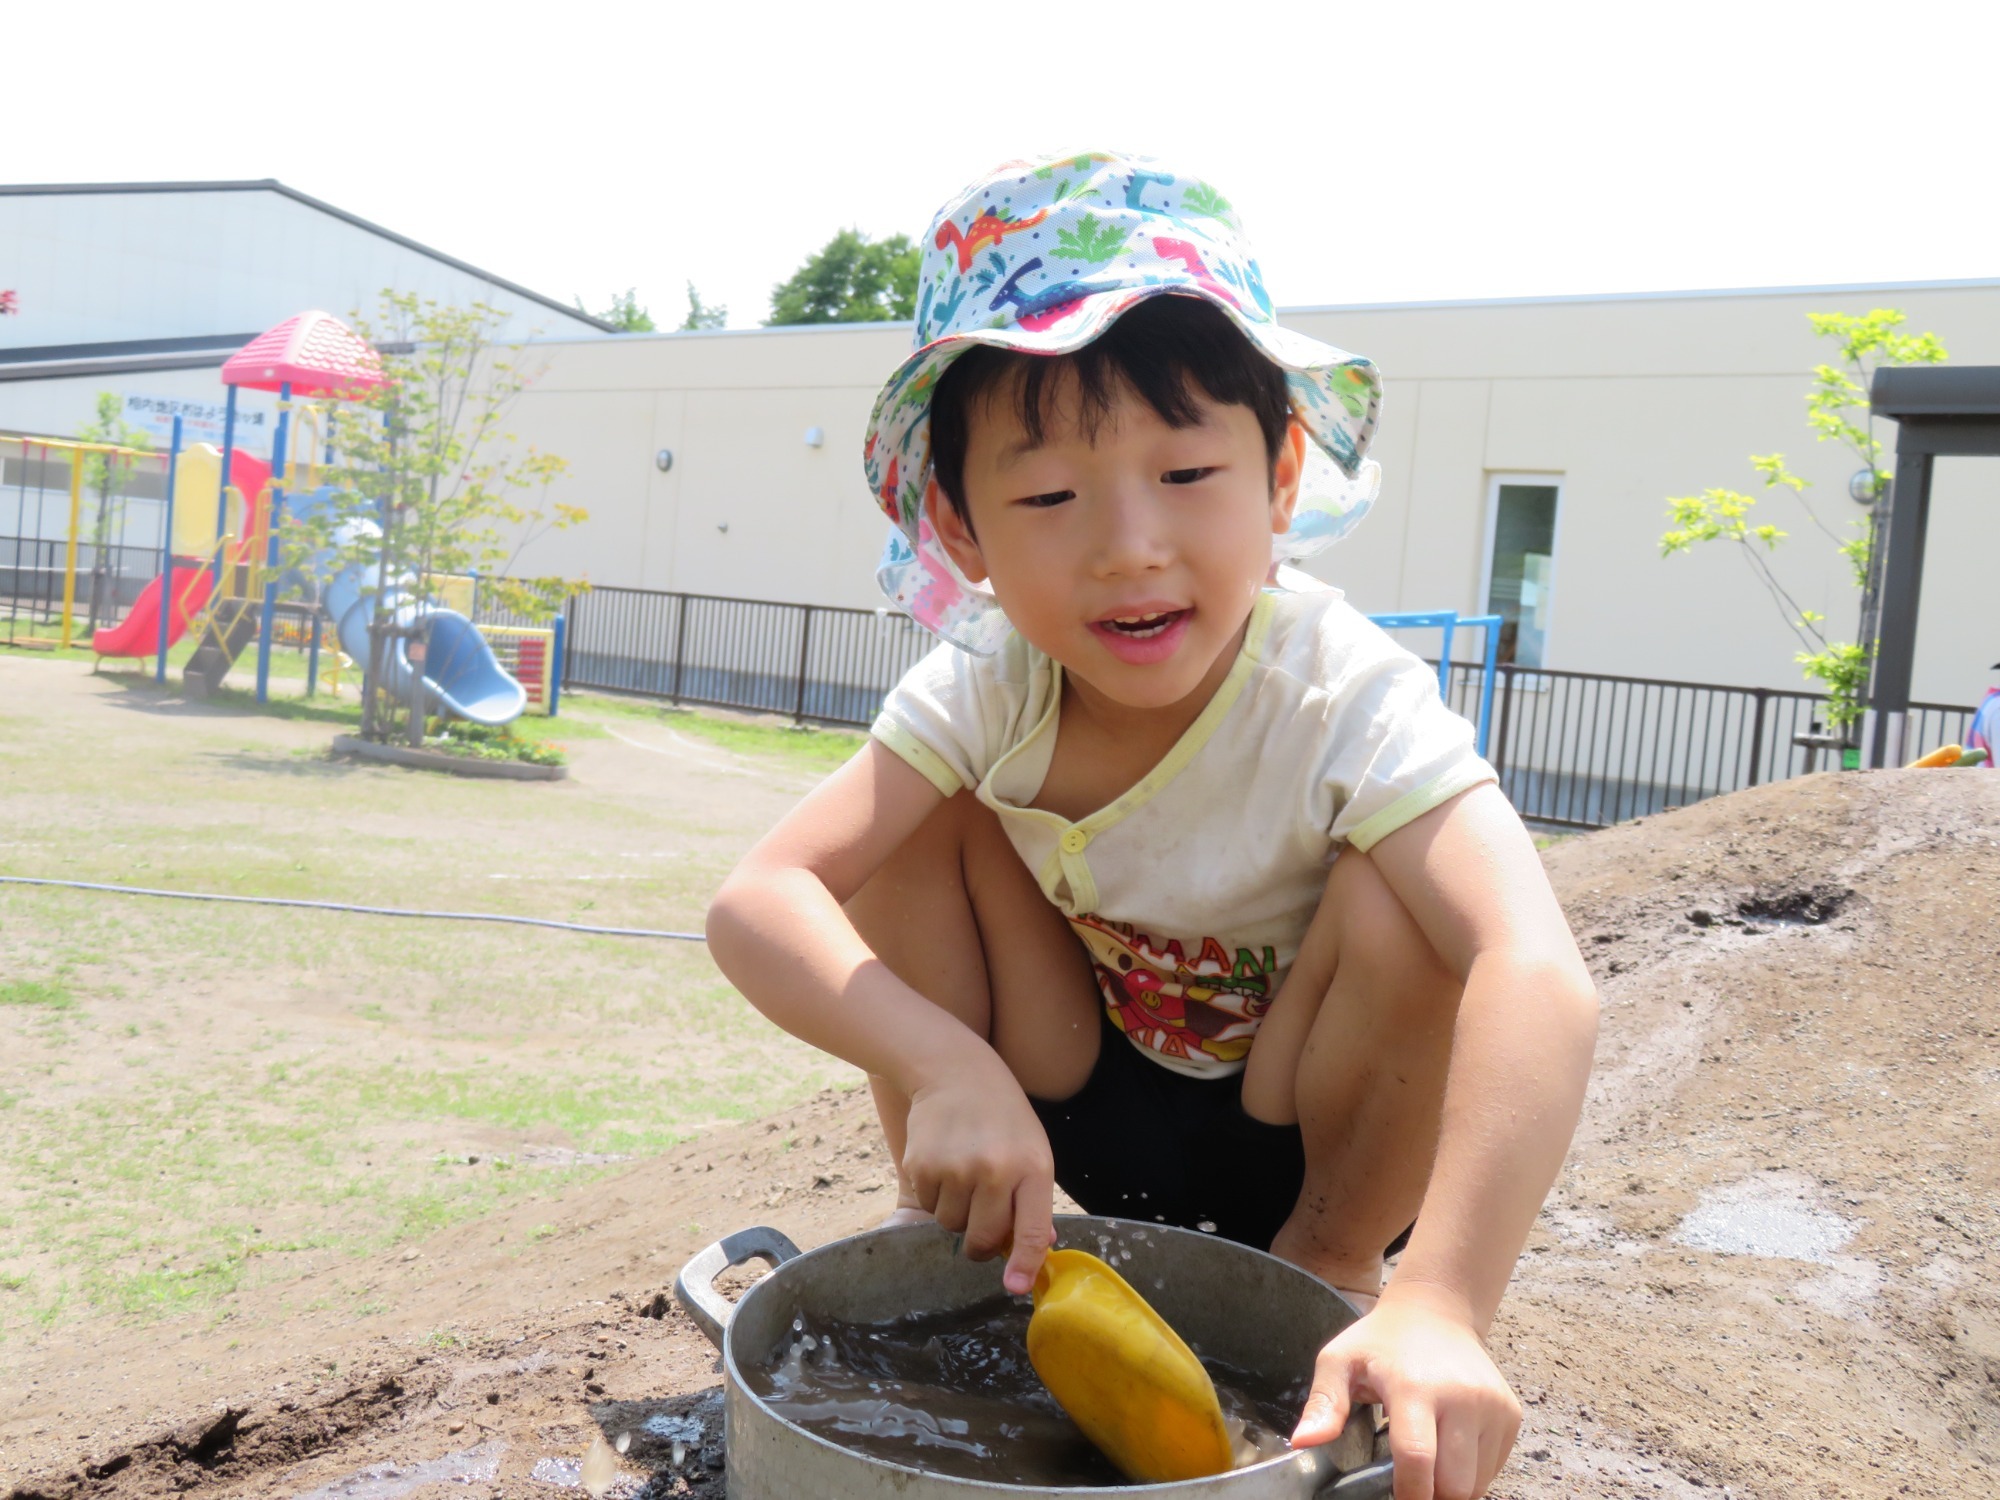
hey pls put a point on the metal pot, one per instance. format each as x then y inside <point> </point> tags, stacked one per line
<point>1238,1305</point>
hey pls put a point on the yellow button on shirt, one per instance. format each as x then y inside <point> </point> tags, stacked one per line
<point>1073,841</point>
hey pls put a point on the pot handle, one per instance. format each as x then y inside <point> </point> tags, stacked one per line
<point>1376,1482</point>
<point>1323,1479</point>
<point>695,1289</point>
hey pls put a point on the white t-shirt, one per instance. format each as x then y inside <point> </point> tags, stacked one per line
<point>1193,890</point>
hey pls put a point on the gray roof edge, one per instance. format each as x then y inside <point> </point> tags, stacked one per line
<point>117,348</point>
<point>272,185</point>
<point>71,369</point>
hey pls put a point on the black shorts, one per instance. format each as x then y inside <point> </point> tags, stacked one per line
<point>1139,1141</point>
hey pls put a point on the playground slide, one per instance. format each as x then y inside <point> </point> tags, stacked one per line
<point>138,634</point>
<point>461,675</point>
<point>198,475</point>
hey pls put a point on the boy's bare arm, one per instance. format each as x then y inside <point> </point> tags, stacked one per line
<point>1521,1050</point>
<point>1520,1057</point>
<point>777,929</point>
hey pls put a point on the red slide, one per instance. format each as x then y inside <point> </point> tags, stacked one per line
<point>138,634</point>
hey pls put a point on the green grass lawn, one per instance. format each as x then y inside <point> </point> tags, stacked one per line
<point>808,746</point>
<point>197,1098</point>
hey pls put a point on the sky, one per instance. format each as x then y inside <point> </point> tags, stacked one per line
<point>1408,151</point>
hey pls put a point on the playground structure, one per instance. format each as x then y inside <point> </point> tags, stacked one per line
<point>221,575</point>
<point>32,577</point>
<point>199,548</point>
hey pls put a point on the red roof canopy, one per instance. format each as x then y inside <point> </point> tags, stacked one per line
<point>315,351</point>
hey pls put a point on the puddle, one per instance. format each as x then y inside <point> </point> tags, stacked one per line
<point>564,1473</point>
<point>1776,1215</point>
<point>476,1465</point>
<point>683,1433</point>
<point>672,1429</point>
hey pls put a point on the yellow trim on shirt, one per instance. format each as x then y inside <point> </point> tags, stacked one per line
<point>1075,869</point>
<point>1197,734</point>
<point>1413,805</point>
<point>921,758</point>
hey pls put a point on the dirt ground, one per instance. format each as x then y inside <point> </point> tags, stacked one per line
<point>1767,1270</point>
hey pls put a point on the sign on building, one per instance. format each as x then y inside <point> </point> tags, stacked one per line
<point>201,421</point>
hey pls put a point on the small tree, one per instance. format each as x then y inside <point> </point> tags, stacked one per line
<point>1839,391</point>
<point>703,315</point>
<point>108,474</point>
<point>624,314</point>
<point>428,460</point>
<point>850,279</point>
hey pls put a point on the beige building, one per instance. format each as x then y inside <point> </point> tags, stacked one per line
<point>1528,448</point>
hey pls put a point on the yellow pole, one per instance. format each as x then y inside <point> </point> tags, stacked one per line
<point>69,563</point>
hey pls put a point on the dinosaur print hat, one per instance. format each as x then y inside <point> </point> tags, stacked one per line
<point>1042,256</point>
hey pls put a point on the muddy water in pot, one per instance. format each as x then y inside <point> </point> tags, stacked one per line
<point>954,1393</point>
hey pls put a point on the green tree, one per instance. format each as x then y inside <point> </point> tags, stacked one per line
<point>702,314</point>
<point>1837,410</point>
<point>850,279</point>
<point>624,314</point>
<point>429,457</point>
<point>108,474</point>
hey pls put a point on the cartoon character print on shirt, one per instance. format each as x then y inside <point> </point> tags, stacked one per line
<point>1205,1009</point>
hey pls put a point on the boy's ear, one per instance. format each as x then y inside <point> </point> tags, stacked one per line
<point>1287,470</point>
<point>955,532</point>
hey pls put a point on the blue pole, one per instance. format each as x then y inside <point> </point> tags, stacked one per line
<point>271,547</point>
<point>1492,626</point>
<point>556,666</point>
<point>312,660</point>
<point>167,557</point>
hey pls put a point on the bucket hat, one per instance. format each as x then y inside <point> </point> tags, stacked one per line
<point>1041,257</point>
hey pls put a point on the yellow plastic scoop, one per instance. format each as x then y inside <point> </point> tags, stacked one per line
<point>1122,1374</point>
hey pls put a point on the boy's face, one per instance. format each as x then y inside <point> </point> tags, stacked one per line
<point>1132,556</point>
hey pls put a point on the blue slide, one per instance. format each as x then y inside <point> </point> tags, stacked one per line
<point>461,675</point>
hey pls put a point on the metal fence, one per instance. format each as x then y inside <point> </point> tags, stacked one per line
<point>807,660</point>
<point>1585,749</point>
<point>33,569</point>
<point>1573,749</point>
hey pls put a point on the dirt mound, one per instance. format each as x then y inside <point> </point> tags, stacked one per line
<point>1767,1270</point>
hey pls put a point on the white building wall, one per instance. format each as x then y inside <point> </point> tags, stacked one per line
<point>102,267</point>
<point>1628,400</point>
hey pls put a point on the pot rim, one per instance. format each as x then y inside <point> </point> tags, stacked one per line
<point>1310,1460</point>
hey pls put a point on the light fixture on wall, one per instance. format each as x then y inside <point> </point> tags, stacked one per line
<point>663,460</point>
<point>1864,487</point>
<point>815,437</point>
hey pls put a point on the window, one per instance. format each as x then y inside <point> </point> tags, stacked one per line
<point>1520,569</point>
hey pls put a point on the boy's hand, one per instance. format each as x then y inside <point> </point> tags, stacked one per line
<point>980,1162</point>
<point>1452,1417</point>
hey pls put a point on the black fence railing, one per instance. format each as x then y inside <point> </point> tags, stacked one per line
<point>1585,749</point>
<point>32,570</point>
<point>807,660</point>
<point>1573,749</point>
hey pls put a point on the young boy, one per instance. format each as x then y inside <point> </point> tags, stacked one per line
<point>1164,880</point>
